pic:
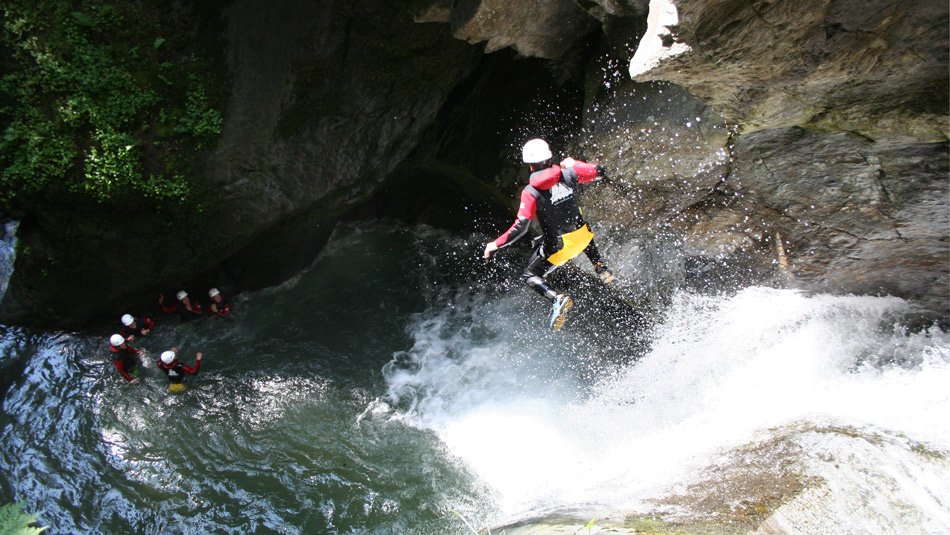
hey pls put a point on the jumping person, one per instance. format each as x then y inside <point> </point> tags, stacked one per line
<point>549,195</point>
<point>125,358</point>
<point>175,370</point>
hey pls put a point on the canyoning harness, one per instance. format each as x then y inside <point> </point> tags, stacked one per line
<point>549,195</point>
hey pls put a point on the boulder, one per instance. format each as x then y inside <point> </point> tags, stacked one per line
<point>876,68</point>
<point>836,171</point>
<point>545,29</point>
<point>328,98</point>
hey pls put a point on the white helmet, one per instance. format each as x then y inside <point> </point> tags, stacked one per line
<point>213,292</point>
<point>536,151</point>
<point>181,294</point>
<point>168,357</point>
<point>127,319</point>
<point>116,340</point>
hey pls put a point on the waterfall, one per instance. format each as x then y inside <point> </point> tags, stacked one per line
<point>7,254</point>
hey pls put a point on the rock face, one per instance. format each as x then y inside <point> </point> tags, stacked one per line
<point>841,113</point>
<point>804,140</point>
<point>502,24</point>
<point>328,98</point>
<point>876,68</point>
<point>856,215</point>
<point>546,29</point>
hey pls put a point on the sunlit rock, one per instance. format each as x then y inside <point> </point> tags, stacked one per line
<point>659,42</point>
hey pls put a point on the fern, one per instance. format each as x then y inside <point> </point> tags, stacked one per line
<point>13,521</point>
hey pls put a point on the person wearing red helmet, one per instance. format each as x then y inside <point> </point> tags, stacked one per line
<point>549,197</point>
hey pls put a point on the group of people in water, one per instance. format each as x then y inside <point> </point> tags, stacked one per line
<point>127,358</point>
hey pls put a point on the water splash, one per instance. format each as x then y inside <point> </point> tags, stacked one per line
<point>7,254</point>
<point>549,430</point>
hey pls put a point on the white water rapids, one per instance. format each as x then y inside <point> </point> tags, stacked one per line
<point>551,428</point>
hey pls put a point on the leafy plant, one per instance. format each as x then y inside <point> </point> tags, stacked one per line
<point>13,521</point>
<point>104,100</point>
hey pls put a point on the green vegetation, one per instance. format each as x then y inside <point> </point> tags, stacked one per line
<point>13,521</point>
<point>102,103</point>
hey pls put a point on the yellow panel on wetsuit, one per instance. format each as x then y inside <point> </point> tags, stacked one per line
<point>574,244</point>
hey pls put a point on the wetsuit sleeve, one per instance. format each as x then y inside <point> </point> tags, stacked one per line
<point>121,367</point>
<point>519,228</point>
<point>148,323</point>
<point>191,370</point>
<point>586,172</point>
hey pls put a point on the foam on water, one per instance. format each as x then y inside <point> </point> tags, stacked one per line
<point>520,408</point>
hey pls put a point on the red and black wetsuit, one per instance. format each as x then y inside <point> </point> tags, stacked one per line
<point>141,324</point>
<point>549,195</point>
<point>188,315</point>
<point>168,305</point>
<point>176,371</point>
<point>222,309</point>
<point>179,307</point>
<point>126,360</point>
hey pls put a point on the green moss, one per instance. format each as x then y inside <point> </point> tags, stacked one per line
<point>103,101</point>
<point>927,452</point>
<point>648,525</point>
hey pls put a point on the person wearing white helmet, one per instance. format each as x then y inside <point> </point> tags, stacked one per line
<point>132,327</point>
<point>176,371</point>
<point>125,357</point>
<point>549,196</point>
<point>218,306</point>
